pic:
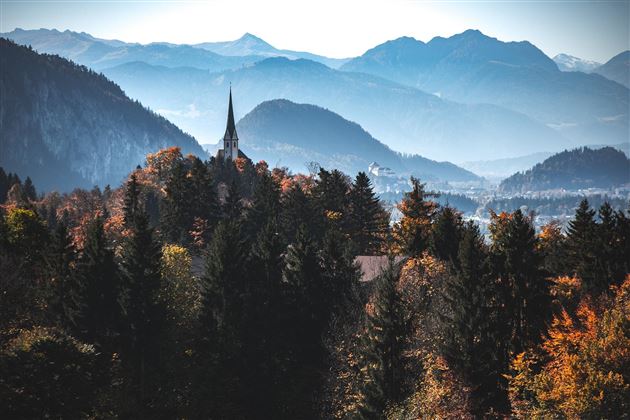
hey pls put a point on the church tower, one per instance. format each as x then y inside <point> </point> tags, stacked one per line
<point>230,139</point>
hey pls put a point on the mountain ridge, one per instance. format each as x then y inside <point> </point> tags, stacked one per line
<point>60,116</point>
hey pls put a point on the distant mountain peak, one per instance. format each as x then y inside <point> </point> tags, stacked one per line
<point>567,62</point>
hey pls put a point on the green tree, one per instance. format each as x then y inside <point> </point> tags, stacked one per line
<point>144,314</point>
<point>99,307</point>
<point>367,219</point>
<point>446,233</point>
<point>381,349</point>
<point>412,233</point>
<point>582,247</point>
<point>470,345</point>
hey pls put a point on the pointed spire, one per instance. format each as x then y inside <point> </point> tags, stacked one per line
<point>230,131</point>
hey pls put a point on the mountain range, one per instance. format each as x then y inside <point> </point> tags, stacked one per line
<point>66,126</point>
<point>473,68</point>
<point>404,118</point>
<point>469,97</point>
<point>288,134</point>
<point>250,44</point>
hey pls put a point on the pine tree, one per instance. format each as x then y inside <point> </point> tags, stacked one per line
<point>220,345</point>
<point>303,319</point>
<point>205,204</point>
<point>29,189</point>
<point>131,202</point>
<point>382,346</point>
<point>97,273</point>
<point>582,246</point>
<point>411,234</point>
<point>144,314</point>
<point>446,234</point>
<point>300,209</point>
<point>470,346</point>
<point>233,208</point>
<point>66,293</point>
<point>517,262</point>
<point>175,213</point>
<point>265,205</point>
<point>366,218</point>
<point>340,274</point>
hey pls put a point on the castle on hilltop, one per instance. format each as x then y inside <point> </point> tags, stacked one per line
<point>230,138</point>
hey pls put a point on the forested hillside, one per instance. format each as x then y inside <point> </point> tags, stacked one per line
<point>60,118</point>
<point>573,169</point>
<point>231,290</point>
<point>290,134</point>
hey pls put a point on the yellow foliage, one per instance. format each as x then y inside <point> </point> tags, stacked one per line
<point>587,363</point>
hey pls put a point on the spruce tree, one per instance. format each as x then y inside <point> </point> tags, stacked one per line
<point>366,218</point>
<point>446,232</point>
<point>517,262</point>
<point>29,189</point>
<point>582,247</point>
<point>469,344</point>
<point>265,205</point>
<point>303,319</point>
<point>66,293</point>
<point>412,233</point>
<point>340,273</point>
<point>97,274</point>
<point>175,213</point>
<point>144,314</point>
<point>219,387</point>
<point>381,348</point>
<point>204,204</point>
<point>298,209</point>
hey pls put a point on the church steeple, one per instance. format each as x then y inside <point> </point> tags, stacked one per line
<point>230,139</point>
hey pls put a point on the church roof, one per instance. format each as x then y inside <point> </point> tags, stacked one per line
<point>230,130</point>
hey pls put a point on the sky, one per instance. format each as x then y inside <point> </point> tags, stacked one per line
<point>594,30</point>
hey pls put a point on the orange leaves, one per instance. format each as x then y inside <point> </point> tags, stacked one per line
<point>162,161</point>
<point>587,359</point>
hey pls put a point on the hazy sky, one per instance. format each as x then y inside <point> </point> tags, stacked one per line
<point>595,30</point>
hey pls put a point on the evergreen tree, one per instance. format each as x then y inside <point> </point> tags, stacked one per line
<point>612,263</point>
<point>265,205</point>
<point>446,233</point>
<point>470,345</point>
<point>4,185</point>
<point>304,320</point>
<point>219,387</point>
<point>366,219</point>
<point>97,273</point>
<point>204,204</point>
<point>517,263</point>
<point>233,208</point>
<point>340,274</point>
<point>380,356</point>
<point>411,234</point>
<point>175,214</point>
<point>300,209</point>
<point>29,189</point>
<point>144,314</point>
<point>131,202</point>
<point>582,247</point>
<point>66,293</point>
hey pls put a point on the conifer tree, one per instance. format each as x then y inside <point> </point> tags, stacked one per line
<point>303,320</point>
<point>175,213</point>
<point>66,294</point>
<point>300,209</point>
<point>446,234</point>
<point>366,218</point>
<point>233,208</point>
<point>382,346</point>
<point>144,314</point>
<point>470,345</point>
<point>411,234</point>
<point>204,204</point>
<point>97,273</point>
<point>265,206</point>
<point>582,246</point>
<point>219,385</point>
<point>340,274</point>
<point>29,189</point>
<point>517,262</point>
